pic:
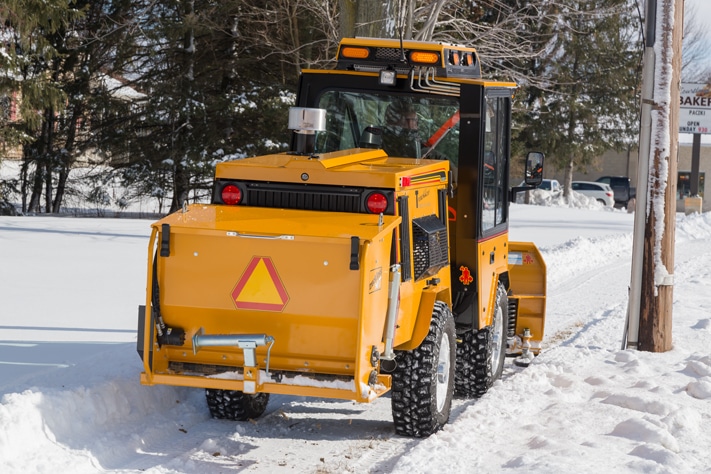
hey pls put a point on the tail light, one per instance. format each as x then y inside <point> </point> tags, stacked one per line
<point>231,195</point>
<point>376,203</point>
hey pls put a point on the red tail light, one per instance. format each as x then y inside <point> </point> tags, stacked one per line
<point>231,195</point>
<point>376,203</point>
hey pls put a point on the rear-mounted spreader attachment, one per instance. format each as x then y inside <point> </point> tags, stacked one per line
<point>247,342</point>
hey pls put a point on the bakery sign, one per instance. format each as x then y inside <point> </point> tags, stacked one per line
<point>695,108</point>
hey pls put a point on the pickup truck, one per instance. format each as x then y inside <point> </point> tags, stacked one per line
<point>621,187</point>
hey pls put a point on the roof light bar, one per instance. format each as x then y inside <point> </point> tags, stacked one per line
<point>424,57</point>
<point>353,52</point>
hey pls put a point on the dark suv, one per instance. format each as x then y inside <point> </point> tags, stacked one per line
<point>621,187</point>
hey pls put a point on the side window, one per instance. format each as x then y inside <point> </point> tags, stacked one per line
<point>496,142</point>
<point>341,127</point>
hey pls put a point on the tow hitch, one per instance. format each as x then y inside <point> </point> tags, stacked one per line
<point>247,342</point>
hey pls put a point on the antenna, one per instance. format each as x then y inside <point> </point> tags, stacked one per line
<point>400,28</point>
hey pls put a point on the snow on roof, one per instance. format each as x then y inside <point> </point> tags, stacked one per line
<point>119,90</point>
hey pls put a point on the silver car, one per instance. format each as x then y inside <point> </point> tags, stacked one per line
<point>600,191</point>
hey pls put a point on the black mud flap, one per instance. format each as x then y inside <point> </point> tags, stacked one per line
<point>141,335</point>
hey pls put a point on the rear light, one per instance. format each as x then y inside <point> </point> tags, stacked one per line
<point>231,195</point>
<point>376,203</point>
<point>610,193</point>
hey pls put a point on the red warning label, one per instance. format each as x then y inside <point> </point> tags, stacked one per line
<point>260,288</point>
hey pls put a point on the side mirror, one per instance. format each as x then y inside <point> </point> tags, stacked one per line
<point>534,168</point>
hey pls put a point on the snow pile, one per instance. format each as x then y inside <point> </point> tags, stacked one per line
<point>70,428</point>
<point>693,226</point>
<point>93,190</point>
<point>541,197</point>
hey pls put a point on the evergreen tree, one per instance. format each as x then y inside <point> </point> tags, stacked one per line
<point>587,103</point>
<point>90,82</point>
<point>218,78</point>
<point>30,76</point>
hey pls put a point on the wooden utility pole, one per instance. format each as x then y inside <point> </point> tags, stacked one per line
<point>651,289</point>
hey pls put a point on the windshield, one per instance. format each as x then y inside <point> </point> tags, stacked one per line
<point>402,125</point>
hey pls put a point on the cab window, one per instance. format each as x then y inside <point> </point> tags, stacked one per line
<point>496,142</point>
<point>403,125</point>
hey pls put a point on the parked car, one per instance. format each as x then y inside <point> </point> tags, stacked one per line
<point>550,185</point>
<point>621,187</point>
<point>600,191</point>
<point>547,184</point>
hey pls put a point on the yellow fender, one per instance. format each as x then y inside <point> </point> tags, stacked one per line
<point>430,295</point>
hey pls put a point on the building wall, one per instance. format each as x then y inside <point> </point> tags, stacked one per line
<point>10,112</point>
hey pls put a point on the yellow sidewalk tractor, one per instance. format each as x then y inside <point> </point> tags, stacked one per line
<point>372,258</point>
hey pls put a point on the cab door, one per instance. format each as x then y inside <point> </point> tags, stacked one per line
<point>493,240</point>
<point>479,209</point>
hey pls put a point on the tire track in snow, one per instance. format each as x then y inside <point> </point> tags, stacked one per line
<point>599,279</point>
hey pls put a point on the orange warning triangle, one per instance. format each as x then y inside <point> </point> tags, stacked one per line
<point>260,288</point>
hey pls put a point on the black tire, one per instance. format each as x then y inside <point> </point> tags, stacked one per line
<point>423,382</point>
<point>235,405</point>
<point>481,354</point>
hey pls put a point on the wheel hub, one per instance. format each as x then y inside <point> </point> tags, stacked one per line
<point>443,365</point>
<point>497,337</point>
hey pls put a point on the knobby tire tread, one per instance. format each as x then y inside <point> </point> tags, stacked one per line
<point>235,405</point>
<point>474,374</point>
<point>414,403</point>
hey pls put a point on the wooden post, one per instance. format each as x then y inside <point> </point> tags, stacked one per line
<point>655,324</point>
<point>695,159</point>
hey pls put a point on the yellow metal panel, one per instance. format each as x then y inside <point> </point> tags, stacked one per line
<point>234,222</point>
<point>346,157</point>
<point>527,274</point>
<point>493,261</point>
<point>339,390</point>
<point>356,167</point>
<point>149,342</point>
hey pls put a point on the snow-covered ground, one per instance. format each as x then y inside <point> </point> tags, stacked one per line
<point>71,400</point>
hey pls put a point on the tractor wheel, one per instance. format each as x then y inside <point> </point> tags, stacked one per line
<point>481,354</point>
<point>423,381</point>
<point>235,405</point>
